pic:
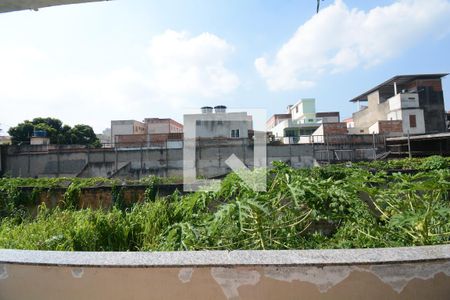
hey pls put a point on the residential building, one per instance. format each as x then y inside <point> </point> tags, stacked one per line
<point>218,123</point>
<point>328,117</point>
<point>300,122</point>
<point>152,131</point>
<point>277,119</point>
<point>404,104</point>
<point>162,126</point>
<point>126,127</point>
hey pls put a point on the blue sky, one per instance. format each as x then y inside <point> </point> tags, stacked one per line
<point>131,59</point>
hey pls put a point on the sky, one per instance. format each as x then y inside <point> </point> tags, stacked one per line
<point>134,59</point>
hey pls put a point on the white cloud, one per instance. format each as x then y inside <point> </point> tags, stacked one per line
<point>184,65</point>
<point>183,70</point>
<point>339,39</point>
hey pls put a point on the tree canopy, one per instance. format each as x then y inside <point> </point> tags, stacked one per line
<point>57,132</point>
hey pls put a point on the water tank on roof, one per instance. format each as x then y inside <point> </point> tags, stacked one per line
<point>220,109</point>
<point>39,133</point>
<point>206,109</point>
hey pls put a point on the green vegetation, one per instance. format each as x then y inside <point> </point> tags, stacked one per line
<point>56,131</point>
<point>434,162</point>
<point>336,206</point>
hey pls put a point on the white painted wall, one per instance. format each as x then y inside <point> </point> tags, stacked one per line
<point>402,101</point>
<point>375,128</point>
<point>214,125</point>
<point>394,115</point>
<point>306,110</point>
<point>278,130</point>
<point>420,121</point>
<point>35,140</point>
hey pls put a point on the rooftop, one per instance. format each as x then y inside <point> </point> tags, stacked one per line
<point>399,80</point>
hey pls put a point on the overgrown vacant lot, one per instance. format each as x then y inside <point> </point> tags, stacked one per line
<point>338,206</point>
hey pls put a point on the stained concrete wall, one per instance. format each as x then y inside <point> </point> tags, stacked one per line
<point>431,99</point>
<point>395,273</point>
<point>377,109</point>
<point>137,162</point>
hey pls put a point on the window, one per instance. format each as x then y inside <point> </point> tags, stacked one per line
<point>412,121</point>
<point>235,133</point>
<point>296,109</point>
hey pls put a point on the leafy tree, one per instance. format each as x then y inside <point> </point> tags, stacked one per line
<point>52,122</point>
<point>84,135</point>
<point>56,132</point>
<point>22,132</point>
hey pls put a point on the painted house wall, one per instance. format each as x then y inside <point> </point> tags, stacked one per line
<point>220,125</point>
<point>423,98</point>
<point>304,110</point>
<point>420,121</point>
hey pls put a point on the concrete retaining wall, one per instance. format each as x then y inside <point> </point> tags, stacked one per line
<point>392,273</point>
<point>138,162</point>
<point>95,197</point>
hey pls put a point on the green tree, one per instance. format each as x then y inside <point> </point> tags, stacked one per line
<point>21,133</point>
<point>84,135</point>
<point>56,132</point>
<point>51,122</point>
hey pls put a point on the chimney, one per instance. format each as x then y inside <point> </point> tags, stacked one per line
<point>220,109</point>
<point>206,109</point>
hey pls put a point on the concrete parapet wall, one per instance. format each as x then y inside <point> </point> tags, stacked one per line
<point>392,273</point>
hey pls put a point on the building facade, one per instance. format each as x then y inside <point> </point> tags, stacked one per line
<point>405,104</point>
<point>132,133</point>
<point>216,122</point>
<point>162,126</point>
<point>300,122</point>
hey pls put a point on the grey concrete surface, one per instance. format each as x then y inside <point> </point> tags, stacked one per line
<point>330,257</point>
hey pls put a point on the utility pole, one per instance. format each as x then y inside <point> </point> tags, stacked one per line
<point>318,6</point>
<point>374,147</point>
<point>409,146</point>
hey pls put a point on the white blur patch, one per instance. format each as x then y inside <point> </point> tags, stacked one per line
<point>77,272</point>
<point>231,279</point>
<point>3,272</point>
<point>185,275</point>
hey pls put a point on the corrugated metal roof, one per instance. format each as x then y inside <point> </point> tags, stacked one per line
<point>400,80</point>
<point>14,5</point>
